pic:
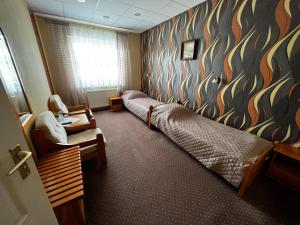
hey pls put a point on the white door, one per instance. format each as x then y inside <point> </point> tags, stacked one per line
<point>22,202</point>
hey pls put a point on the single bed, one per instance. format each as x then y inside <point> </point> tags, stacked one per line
<point>236,155</point>
<point>138,103</point>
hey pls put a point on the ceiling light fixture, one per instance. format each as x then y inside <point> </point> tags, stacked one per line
<point>137,14</point>
<point>81,1</point>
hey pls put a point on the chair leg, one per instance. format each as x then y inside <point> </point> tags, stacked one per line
<point>101,159</point>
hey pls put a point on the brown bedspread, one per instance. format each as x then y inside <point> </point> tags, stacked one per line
<point>223,149</point>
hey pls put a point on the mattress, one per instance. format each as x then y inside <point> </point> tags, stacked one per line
<point>138,103</point>
<point>222,149</point>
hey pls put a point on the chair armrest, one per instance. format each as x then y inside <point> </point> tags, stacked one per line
<point>98,140</point>
<point>76,107</point>
<point>91,118</point>
<point>93,124</point>
<point>89,114</point>
<point>88,143</point>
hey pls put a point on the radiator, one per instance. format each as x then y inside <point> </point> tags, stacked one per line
<point>99,98</point>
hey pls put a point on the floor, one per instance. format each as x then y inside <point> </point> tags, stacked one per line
<point>151,181</point>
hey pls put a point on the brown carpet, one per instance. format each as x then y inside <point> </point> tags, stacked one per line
<point>150,180</point>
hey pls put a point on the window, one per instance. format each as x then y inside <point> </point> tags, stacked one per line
<point>96,60</point>
<point>7,70</point>
<point>10,79</point>
<point>87,58</point>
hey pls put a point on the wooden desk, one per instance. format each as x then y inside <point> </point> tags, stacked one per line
<point>61,176</point>
<point>79,122</point>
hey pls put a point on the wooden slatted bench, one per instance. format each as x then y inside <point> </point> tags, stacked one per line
<point>61,175</point>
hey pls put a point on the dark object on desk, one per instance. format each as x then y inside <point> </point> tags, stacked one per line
<point>66,120</point>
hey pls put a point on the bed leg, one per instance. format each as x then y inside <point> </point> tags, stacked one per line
<point>252,171</point>
<point>247,179</point>
<point>149,116</point>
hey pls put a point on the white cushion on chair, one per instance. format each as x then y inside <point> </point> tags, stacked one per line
<point>84,136</point>
<point>58,104</point>
<point>52,129</point>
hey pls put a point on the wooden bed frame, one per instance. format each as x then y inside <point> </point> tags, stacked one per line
<point>149,114</point>
<point>251,172</point>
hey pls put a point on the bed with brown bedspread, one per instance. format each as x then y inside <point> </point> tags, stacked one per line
<point>234,154</point>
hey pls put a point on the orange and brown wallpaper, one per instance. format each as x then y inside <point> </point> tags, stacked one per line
<point>252,45</point>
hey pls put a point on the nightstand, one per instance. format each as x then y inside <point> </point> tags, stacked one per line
<point>285,166</point>
<point>115,103</point>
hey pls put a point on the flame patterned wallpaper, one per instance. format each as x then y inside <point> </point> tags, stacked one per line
<point>252,45</point>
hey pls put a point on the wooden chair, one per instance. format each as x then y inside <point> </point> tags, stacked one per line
<point>82,115</point>
<point>49,136</point>
<point>55,104</point>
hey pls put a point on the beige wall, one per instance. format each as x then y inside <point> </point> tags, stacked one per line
<point>134,51</point>
<point>16,24</point>
<point>134,42</point>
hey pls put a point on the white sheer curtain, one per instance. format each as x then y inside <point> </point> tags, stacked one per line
<point>124,65</point>
<point>7,70</point>
<point>9,77</point>
<point>90,58</point>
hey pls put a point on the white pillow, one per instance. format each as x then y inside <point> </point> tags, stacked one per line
<point>132,94</point>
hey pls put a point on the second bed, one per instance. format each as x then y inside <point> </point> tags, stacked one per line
<point>236,155</point>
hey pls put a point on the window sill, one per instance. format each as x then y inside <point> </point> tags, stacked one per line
<point>26,121</point>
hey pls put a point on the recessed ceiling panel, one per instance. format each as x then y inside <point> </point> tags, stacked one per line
<point>72,11</point>
<point>92,4</point>
<point>153,5</point>
<point>136,15</point>
<point>107,6</point>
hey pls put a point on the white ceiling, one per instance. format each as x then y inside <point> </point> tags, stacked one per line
<point>120,12</point>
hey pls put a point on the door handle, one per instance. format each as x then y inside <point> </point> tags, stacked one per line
<point>20,157</point>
